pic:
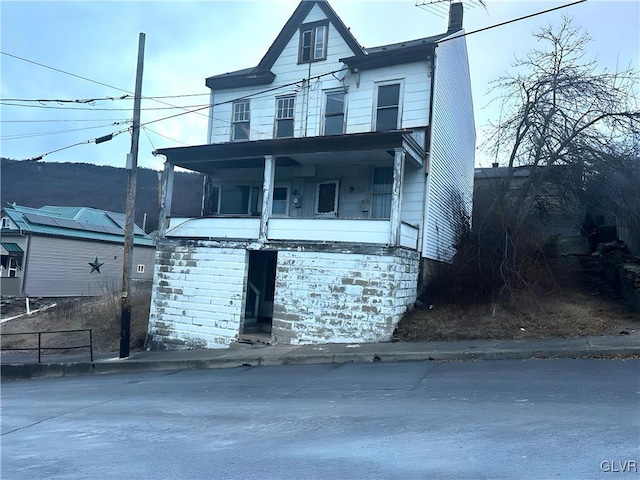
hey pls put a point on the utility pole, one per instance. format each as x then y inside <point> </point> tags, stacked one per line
<point>132,165</point>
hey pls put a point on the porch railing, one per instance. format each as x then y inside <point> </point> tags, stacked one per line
<point>364,231</point>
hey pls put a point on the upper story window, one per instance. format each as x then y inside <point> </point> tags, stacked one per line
<point>313,42</point>
<point>241,119</point>
<point>285,107</point>
<point>388,107</point>
<point>6,223</point>
<point>334,113</point>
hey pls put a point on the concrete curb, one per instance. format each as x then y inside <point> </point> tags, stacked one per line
<point>587,347</point>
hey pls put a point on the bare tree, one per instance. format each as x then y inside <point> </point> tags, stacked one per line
<point>565,119</point>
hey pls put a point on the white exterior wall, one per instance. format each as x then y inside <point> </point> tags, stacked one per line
<point>323,297</point>
<point>452,153</point>
<point>59,267</point>
<point>310,97</point>
<point>198,296</point>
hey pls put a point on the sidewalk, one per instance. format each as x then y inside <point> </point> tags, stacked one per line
<point>24,365</point>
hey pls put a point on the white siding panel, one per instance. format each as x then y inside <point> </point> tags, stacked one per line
<point>452,149</point>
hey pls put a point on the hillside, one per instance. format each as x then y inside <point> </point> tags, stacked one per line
<point>36,184</point>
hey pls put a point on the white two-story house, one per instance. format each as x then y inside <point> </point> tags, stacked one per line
<point>335,176</point>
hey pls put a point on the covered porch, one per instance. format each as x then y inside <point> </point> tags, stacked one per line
<point>343,188</point>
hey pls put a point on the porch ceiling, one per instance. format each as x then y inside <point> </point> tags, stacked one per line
<point>359,147</point>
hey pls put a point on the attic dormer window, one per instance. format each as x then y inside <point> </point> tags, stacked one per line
<point>313,42</point>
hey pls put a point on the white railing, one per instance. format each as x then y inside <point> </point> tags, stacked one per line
<point>363,231</point>
<point>329,230</point>
<point>219,227</point>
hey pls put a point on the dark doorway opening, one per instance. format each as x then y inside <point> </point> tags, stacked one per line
<point>261,286</point>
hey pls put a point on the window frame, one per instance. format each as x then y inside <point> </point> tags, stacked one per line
<point>6,223</point>
<point>327,93</point>
<point>253,187</point>
<point>140,268</point>
<point>292,118</point>
<point>375,194</point>
<point>313,28</point>
<point>334,212</point>
<point>287,200</point>
<point>235,122</point>
<point>374,119</point>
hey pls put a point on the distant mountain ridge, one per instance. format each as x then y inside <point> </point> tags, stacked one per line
<point>36,184</point>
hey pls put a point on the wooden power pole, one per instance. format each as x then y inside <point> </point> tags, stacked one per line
<point>132,165</point>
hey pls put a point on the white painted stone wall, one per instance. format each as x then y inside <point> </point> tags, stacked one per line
<point>198,296</point>
<point>325,297</point>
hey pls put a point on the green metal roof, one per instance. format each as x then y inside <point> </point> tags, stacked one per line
<point>73,222</point>
<point>12,247</point>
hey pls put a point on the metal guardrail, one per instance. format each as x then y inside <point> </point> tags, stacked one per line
<point>40,348</point>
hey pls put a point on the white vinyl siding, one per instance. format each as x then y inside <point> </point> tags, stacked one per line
<point>452,150</point>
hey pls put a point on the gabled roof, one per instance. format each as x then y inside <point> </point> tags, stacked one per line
<point>75,222</point>
<point>362,59</point>
<point>261,74</point>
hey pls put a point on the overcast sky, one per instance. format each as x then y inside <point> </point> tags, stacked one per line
<point>189,41</point>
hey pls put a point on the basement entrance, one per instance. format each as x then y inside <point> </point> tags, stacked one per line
<point>261,286</point>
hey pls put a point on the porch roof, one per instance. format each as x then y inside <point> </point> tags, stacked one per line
<point>294,151</point>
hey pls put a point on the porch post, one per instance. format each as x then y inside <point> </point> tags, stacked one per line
<point>267,194</point>
<point>396,196</point>
<point>166,194</point>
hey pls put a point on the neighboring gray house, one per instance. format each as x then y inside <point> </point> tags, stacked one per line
<point>67,251</point>
<point>333,176</point>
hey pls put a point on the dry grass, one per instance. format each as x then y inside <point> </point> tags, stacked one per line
<point>101,314</point>
<point>578,305</point>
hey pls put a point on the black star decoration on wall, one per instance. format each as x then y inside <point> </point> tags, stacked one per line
<point>95,266</point>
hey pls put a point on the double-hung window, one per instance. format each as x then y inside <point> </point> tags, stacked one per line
<point>235,200</point>
<point>285,108</point>
<point>388,107</point>
<point>313,42</point>
<point>241,120</point>
<point>382,192</point>
<point>334,113</point>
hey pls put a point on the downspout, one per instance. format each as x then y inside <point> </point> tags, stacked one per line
<point>427,160</point>
<point>25,263</point>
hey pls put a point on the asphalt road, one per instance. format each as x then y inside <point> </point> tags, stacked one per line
<point>506,419</point>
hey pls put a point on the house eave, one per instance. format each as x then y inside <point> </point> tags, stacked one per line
<point>387,58</point>
<point>238,80</point>
<point>248,154</point>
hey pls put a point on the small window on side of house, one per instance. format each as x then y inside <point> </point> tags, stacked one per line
<point>313,42</point>
<point>241,121</point>
<point>6,223</point>
<point>387,107</point>
<point>285,108</point>
<point>334,113</point>
<point>140,268</point>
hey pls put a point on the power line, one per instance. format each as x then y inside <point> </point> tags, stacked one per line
<point>60,100</point>
<point>99,109</point>
<point>63,71</point>
<point>66,120</point>
<point>466,34</point>
<point>57,132</point>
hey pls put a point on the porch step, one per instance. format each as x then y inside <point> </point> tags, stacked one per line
<point>258,338</point>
